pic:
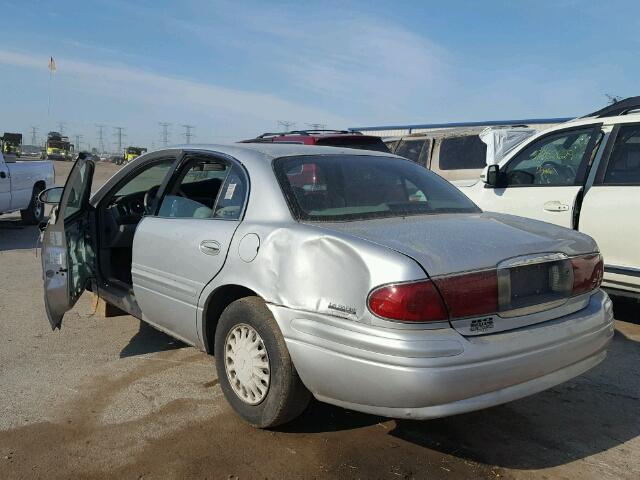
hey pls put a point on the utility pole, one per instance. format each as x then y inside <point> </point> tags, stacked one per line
<point>78,137</point>
<point>61,127</point>
<point>165,132</point>
<point>34,135</point>
<point>316,126</point>
<point>100,128</point>
<point>187,133</point>
<point>286,124</point>
<point>119,134</point>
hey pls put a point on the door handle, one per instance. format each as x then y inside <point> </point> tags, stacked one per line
<point>3,175</point>
<point>210,247</point>
<point>556,206</point>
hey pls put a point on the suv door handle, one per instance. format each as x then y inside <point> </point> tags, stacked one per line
<point>3,175</point>
<point>556,206</point>
<point>210,247</point>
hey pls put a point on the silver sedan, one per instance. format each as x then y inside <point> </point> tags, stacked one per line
<point>357,277</point>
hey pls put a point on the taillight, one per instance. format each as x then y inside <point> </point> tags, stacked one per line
<point>587,273</point>
<point>408,302</point>
<point>470,294</point>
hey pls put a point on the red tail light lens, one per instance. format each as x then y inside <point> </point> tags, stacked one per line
<point>587,273</point>
<point>470,294</point>
<point>408,302</point>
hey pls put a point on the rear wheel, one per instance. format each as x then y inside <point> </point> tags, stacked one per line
<point>34,213</point>
<point>254,368</point>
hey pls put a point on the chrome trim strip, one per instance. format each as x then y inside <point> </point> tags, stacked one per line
<point>532,259</point>
<point>620,270</point>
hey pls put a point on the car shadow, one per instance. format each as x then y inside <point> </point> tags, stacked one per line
<point>15,235</point>
<point>585,416</point>
<point>149,340</point>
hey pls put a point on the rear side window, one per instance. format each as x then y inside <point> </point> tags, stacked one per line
<point>354,187</point>
<point>413,149</point>
<point>462,153</point>
<point>624,165</point>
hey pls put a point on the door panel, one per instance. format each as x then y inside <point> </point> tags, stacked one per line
<point>610,215</point>
<point>67,247</point>
<point>171,266</point>
<point>551,204</point>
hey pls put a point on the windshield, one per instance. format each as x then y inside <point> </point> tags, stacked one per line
<point>354,187</point>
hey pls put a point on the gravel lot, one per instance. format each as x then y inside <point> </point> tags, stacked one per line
<point>115,398</point>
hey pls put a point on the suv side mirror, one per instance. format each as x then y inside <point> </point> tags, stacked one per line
<point>492,176</point>
<point>51,196</point>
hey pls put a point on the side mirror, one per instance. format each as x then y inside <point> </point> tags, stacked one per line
<point>492,176</point>
<point>51,196</point>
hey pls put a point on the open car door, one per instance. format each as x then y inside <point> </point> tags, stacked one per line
<point>67,249</point>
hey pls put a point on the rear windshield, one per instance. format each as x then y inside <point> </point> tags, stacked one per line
<point>355,187</point>
<point>462,153</point>
<point>362,143</point>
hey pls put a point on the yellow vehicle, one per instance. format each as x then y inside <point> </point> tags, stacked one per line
<point>131,153</point>
<point>11,143</point>
<point>58,147</point>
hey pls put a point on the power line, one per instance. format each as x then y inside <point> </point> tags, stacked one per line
<point>34,135</point>
<point>165,132</point>
<point>316,126</point>
<point>119,133</point>
<point>187,133</point>
<point>100,128</point>
<point>286,124</point>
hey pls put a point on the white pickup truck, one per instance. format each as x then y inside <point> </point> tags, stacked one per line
<point>20,185</point>
<point>583,174</point>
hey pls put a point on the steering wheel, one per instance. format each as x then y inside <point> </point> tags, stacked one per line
<point>548,172</point>
<point>149,197</point>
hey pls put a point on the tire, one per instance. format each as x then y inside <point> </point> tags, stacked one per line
<point>34,213</point>
<point>285,397</point>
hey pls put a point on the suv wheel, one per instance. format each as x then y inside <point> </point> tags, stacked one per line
<point>254,368</point>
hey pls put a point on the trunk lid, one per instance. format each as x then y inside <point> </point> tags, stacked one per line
<point>447,244</point>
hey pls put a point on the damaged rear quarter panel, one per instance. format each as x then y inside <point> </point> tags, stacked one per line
<point>307,268</point>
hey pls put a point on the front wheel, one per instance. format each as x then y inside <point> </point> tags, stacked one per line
<point>34,213</point>
<point>254,368</point>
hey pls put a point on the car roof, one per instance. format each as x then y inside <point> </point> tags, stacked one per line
<point>269,151</point>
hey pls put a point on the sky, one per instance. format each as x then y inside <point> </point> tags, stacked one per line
<point>233,69</point>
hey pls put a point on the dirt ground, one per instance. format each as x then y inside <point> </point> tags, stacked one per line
<point>115,398</point>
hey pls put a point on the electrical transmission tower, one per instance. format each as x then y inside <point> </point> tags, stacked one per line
<point>286,124</point>
<point>78,138</point>
<point>316,126</point>
<point>187,133</point>
<point>100,128</point>
<point>61,127</point>
<point>34,135</point>
<point>165,132</point>
<point>119,134</point>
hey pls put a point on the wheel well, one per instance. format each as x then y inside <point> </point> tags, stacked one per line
<point>216,303</point>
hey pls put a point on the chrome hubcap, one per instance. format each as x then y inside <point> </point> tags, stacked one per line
<point>247,364</point>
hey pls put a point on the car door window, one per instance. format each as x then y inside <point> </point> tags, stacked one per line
<point>78,192</point>
<point>624,163</point>
<point>558,159</point>
<point>232,196</point>
<point>193,194</point>
<point>461,153</point>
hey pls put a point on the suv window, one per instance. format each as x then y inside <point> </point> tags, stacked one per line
<point>624,164</point>
<point>412,149</point>
<point>461,153</point>
<point>349,187</point>
<point>557,159</point>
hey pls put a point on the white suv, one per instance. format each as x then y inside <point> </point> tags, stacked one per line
<point>583,174</point>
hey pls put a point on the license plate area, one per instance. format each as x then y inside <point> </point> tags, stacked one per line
<point>533,283</point>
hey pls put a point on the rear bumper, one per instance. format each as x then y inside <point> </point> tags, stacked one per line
<point>434,373</point>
